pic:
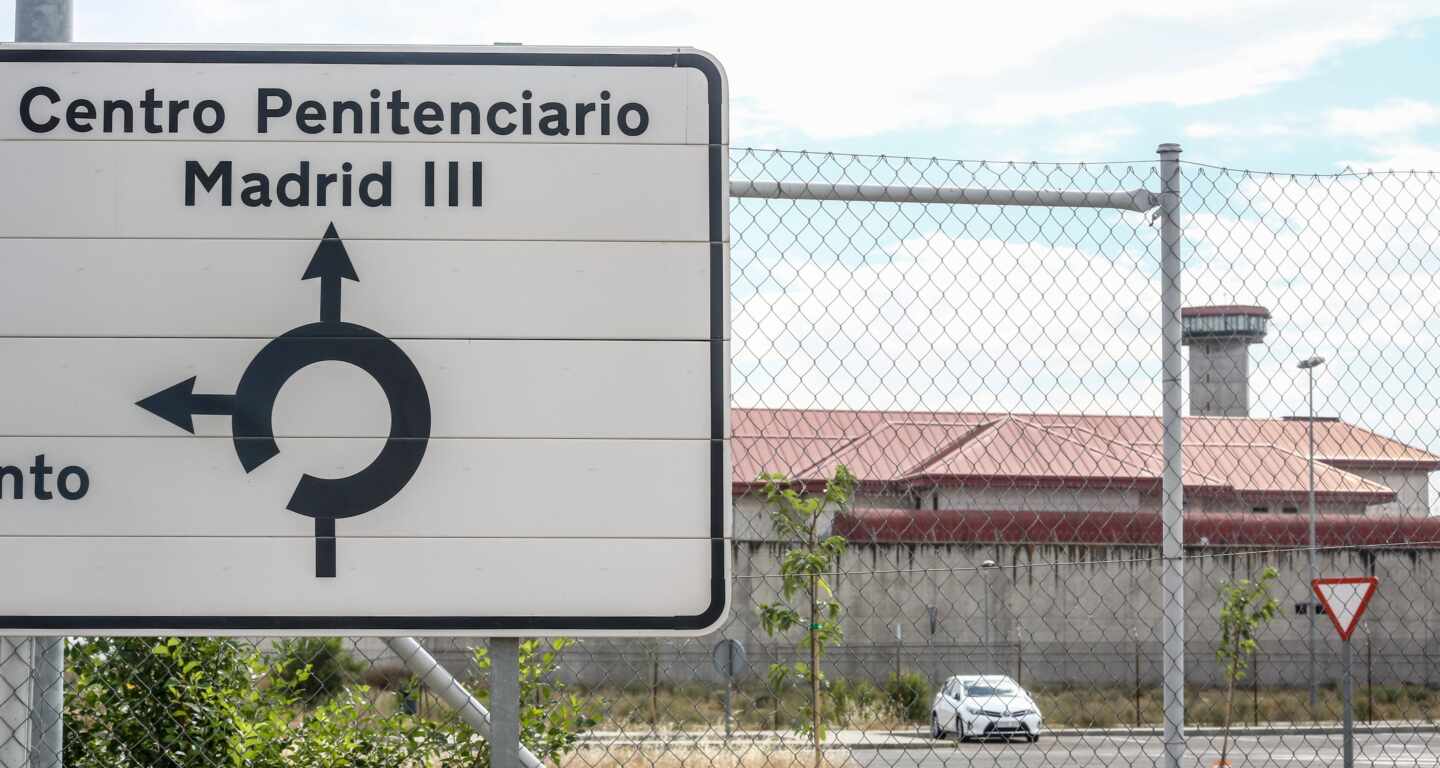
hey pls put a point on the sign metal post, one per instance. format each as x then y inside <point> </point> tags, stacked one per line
<point>729,658</point>
<point>505,702</point>
<point>1345,601</point>
<point>1348,692</point>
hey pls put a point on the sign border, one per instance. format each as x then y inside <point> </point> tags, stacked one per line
<point>718,198</point>
<point>1360,611</point>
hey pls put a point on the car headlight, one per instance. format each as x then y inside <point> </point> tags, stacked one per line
<point>970,710</point>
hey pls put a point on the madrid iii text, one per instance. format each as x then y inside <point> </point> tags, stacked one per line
<point>451,184</point>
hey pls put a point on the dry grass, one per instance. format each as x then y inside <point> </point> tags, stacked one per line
<point>1394,702</point>
<point>700,708</point>
<point>738,756</point>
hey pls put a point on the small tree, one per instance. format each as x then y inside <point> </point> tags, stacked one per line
<point>1245,607</point>
<point>796,517</point>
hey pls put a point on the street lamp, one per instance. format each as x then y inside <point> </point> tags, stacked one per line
<point>1308,365</point>
<point>985,569</point>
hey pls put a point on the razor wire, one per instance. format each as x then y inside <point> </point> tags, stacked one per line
<point>991,376</point>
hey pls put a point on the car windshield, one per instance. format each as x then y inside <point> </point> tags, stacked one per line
<point>986,690</point>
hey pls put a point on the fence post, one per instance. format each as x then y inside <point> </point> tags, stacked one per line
<point>47,702</point>
<point>43,21</point>
<point>1255,687</point>
<point>15,680</point>
<point>1137,681</point>
<point>654,686</point>
<point>1172,578</point>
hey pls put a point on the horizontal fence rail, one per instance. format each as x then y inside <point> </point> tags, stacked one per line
<point>1139,200</point>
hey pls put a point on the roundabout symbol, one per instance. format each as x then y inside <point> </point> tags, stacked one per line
<point>251,407</point>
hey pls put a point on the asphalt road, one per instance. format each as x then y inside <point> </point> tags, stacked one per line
<point>1381,750</point>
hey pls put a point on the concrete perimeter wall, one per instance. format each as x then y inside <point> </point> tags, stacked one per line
<point>1056,614</point>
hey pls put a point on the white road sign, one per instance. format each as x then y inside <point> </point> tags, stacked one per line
<point>1345,600</point>
<point>390,341</point>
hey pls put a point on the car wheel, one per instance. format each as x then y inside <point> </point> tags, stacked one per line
<point>1034,737</point>
<point>960,729</point>
<point>936,732</point>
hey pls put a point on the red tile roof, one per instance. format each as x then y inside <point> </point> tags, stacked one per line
<point>1241,457</point>
<point>1121,528</point>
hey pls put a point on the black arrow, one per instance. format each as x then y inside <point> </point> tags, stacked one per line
<point>330,263</point>
<point>179,403</point>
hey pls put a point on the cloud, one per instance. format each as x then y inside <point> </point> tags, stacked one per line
<point>853,70</point>
<point>1402,155</point>
<point>1092,143</point>
<point>1398,117</point>
<point>1225,130</point>
<point>945,322</point>
<point>1390,131</point>
<point>1192,55</point>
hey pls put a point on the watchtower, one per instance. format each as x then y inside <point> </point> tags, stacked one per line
<point>1219,338</point>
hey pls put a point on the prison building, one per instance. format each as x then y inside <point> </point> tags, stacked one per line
<point>1067,508</point>
<point>1009,462</point>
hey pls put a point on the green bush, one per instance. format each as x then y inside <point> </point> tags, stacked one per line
<point>174,702</point>
<point>909,697</point>
<point>170,702</point>
<point>347,732</point>
<point>1390,694</point>
<point>158,702</point>
<point>316,669</point>
<point>850,700</point>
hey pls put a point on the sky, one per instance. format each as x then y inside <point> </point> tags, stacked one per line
<point>1021,309</point>
<point>1292,85</point>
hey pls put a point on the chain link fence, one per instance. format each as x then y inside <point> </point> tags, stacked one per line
<point>990,375</point>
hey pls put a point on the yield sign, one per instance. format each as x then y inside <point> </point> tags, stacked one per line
<point>1345,600</point>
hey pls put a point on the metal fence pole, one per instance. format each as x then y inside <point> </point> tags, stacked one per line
<point>1173,539</point>
<point>15,680</point>
<point>47,702</point>
<point>45,21</point>
<point>505,702</point>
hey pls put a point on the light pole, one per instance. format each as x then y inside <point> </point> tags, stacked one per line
<point>1308,365</point>
<point>985,569</point>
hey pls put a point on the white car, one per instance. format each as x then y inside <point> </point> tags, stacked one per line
<point>980,706</point>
